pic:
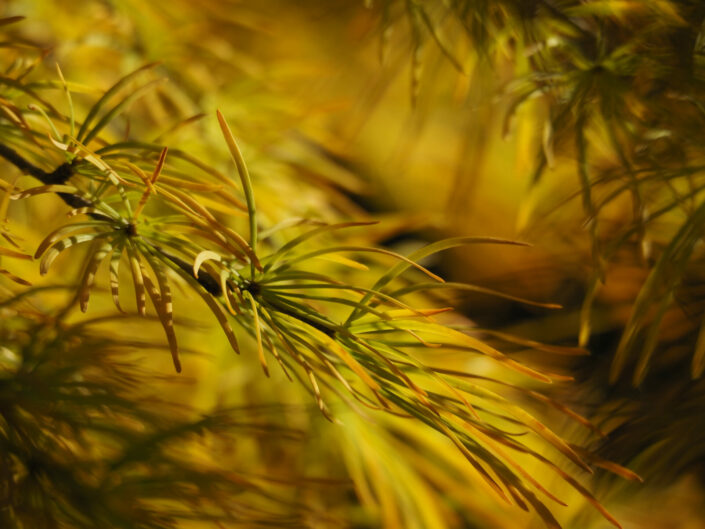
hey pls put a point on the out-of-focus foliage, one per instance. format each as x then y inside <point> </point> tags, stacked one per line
<point>87,442</point>
<point>616,87</point>
<point>354,343</point>
<point>599,107</point>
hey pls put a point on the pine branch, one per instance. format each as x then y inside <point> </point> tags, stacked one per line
<point>62,174</point>
<point>58,176</point>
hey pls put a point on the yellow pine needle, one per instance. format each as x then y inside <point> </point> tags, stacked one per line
<point>317,395</point>
<point>490,484</point>
<point>204,227</point>
<point>81,211</point>
<point>272,347</point>
<point>92,158</point>
<point>114,277</point>
<point>66,242</point>
<point>138,280</point>
<point>94,262</point>
<point>199,213</point>
<point>179,125</point>
<point>162,304</point>
<point>496,448</point>
<point>5,203</point>
<point>339,259</point>
<point>14,278</point>
<point>205,255</point>
<point>346,357</point>
<point>258,333</point>
<point>221,316</point>
<point>215,205</point>
<point>421,340</point>
<point>68,98</point>
<point>278,357</point>
<point>585,312</point>
<point>548,435</point>
<point>227,295</point>
<point>410,313</point>
<point>583,492</point>
<point>150,185</point>
<point>53,128</point>
<point>6,252</point>
<point>202,187</point>
<point>10,113</point>
<point>53,188</point>
<point>610,466</point>
<point>482,347</point>
<point>140,173</point>
<point>244,178</point>
<point>56,235</point>
<point>436,376</point>
<point>420,392</point>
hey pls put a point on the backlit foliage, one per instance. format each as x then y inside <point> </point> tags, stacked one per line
<point>376,402</point>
